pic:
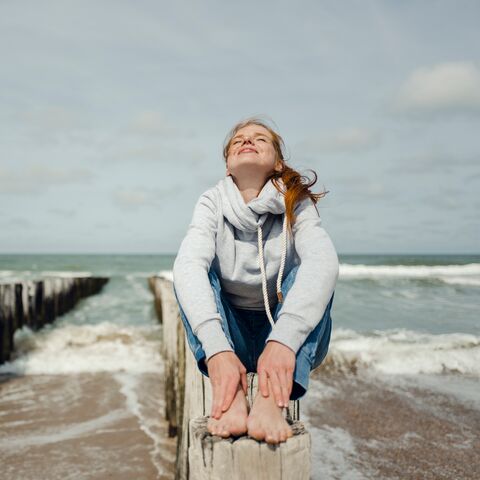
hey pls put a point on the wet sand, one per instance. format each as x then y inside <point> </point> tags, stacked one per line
<point>110,425</point>
<point>364,427</point>
<point>88,425</point>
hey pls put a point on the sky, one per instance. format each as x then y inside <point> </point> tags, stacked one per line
<point>113,116</point>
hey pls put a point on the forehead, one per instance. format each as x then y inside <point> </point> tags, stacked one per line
<point>252,130</point>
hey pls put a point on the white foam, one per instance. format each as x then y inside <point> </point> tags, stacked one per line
<point>334,454</point>
<point>454,274</point>
<point>12,276</point>
<point>473,281</point>
<point>129,388</point>
<point>402,351</point>
<point>64,274</point>
<point>68,432</point>
<point>468,274</point>
<point>67,348</point>
<point>167,274</point>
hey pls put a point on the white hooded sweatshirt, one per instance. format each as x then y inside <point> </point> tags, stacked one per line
<point>250,249</point>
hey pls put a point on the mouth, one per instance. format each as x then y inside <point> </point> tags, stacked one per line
<point>247,150</point>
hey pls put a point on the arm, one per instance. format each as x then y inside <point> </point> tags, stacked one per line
<point>317,274</point>
<point>190,277</point>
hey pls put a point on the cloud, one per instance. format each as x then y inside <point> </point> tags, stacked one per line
<point>63,212</point>
<point>157,153</point>
<point>52,117</point>
<point>346,140</point>
<point>434,161</point>
<point>446,88</point>
<point>444,200</point>
<point>135,198</point>
<point>37,178</point>
<point>21,222</point>
<point>153,123</point>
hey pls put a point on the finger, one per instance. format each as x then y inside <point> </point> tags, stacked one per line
<point>218,401</point>
<point>275,386</point>
<point>244,382</point>
<point>230,392</point>
<point>214,401</point>
<point>284,386</point>
<point>263,383</point>
<point>289,383</point>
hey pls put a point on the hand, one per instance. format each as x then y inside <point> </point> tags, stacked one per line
<point>278,362</point>
<point>225,371</point>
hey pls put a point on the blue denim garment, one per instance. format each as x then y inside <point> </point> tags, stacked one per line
<point>247,331</point>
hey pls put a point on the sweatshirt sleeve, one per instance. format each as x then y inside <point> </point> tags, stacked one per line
<point>305,303</point>
<point>190,277</point>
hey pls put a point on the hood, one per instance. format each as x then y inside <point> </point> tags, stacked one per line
<point>247,216</point>
<point>251,216</point>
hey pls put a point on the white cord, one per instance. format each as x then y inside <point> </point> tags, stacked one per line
<point>280,273</point>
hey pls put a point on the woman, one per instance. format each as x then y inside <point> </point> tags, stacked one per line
<point>254,227</point>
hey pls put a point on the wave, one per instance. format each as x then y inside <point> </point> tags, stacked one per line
<point>402,351</point>
<point>67,348</point>
<point>468,274</point>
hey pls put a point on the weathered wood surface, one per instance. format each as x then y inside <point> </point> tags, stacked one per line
<point>34,303</point>
<point>188,397</point>
<point>216,458</point>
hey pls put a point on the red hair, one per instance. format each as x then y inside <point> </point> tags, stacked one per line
<point>297,185</point>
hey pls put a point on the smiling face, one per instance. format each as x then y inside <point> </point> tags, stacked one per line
<point>251,153</point>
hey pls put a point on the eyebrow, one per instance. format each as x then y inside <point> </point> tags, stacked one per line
<point>255,135</point>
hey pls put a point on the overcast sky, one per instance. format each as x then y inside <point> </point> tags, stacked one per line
<point>113,116</point>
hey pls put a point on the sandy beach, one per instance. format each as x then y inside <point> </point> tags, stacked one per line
<point>89,425</point>
<point>375,428</point>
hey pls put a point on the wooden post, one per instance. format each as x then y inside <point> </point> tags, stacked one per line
<point>36,302</point>
<point>188,396</point>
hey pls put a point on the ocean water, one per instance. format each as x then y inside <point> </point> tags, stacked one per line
<point>385,307</point>
<point>402,321</point>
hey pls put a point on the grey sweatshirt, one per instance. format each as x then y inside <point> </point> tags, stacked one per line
<point>248,246</point>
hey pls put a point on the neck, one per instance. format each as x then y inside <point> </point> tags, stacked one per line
<point>249,187</point>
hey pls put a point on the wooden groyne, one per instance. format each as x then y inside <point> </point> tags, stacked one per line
<point>34,303</point>
<point>188,398</point>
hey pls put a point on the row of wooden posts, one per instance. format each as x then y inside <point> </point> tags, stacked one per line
<point>188,397</point>
<point>34,303</point>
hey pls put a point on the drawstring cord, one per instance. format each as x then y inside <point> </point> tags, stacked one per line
<point>280,272</point>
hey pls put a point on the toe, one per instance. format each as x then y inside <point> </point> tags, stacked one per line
<point>255,432</point>
<point>269,437</point>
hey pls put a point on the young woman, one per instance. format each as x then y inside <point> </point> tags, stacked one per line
<point>257,226</point>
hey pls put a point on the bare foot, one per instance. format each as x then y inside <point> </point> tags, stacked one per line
<point>266,421</point>
<point>234,420</point>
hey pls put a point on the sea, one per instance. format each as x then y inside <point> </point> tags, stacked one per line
<point>398,395</point>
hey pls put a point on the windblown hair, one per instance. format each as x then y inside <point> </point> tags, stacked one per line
<point>297,185</point>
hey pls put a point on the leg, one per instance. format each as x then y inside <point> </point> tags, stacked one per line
<point>230,325</point>
<point>233,420</point>
<point>314,349</point>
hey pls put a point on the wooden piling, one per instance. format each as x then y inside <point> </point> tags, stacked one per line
<point>34,303</point>
<point>188,397</point>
